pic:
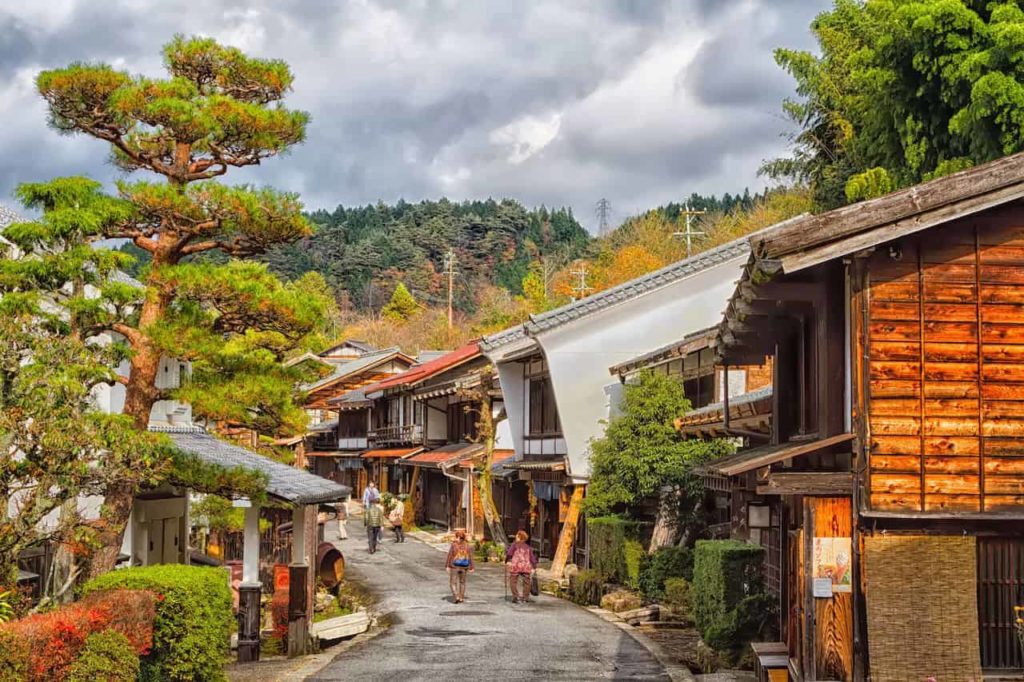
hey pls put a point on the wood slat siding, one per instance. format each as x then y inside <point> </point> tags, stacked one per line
<point>945,362</point>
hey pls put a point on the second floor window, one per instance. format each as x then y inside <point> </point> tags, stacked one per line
<point>543,410</point>
<point>352,425</point>
<point>462,422</point>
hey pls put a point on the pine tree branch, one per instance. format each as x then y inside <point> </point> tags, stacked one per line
<point>133,335</point>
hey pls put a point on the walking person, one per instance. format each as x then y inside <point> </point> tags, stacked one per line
<point>370,493</point>
<point>520,563</point>
<point>373,519</point>
<point>458,564</point>
<point>397,518</point>
<point>342,508</point>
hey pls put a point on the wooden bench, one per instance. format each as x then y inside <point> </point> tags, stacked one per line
<point>771,661</point>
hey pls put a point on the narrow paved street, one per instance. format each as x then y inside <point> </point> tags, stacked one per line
<point>484,638</point>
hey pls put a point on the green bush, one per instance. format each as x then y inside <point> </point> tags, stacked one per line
<point>678,595</point>
<point>14,657</point>
<point>730,606</point>
<point>586,588</point>
<point>611,538</point>
<point>108,656</point>
<point>665,563</point>
<point>634,557</point>
<point>193,621</point>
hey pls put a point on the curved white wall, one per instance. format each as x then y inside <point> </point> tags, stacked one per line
<point>580,352</point>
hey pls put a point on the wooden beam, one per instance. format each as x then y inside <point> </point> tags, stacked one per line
<point>807,483</point>
<point>760,457</point>
<point>568,534</point>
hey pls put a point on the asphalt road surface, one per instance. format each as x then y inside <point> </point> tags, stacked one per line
<point>485,637</point>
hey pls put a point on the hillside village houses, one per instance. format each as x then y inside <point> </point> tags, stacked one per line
<point>866,361</point>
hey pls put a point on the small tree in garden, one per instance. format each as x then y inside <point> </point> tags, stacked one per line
<point>641,453</point>
<point>217,109</point>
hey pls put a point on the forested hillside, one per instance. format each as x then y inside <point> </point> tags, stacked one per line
<point>364,252</point>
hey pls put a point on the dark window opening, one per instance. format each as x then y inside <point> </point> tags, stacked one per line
<point>543,410</point>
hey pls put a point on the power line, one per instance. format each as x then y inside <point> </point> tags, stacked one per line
<point>688,214</point>
<point>450,262</point>
<point>580,289</point>
<point>603,209</point>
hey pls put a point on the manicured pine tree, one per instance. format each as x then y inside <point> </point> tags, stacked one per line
<point>218,109</point>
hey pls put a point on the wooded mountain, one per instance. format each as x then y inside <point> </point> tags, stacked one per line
<point>364,251</point>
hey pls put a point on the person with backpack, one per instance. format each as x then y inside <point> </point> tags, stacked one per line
<point>458,564</point>
<point>520,562</point>
<point>373,519</point>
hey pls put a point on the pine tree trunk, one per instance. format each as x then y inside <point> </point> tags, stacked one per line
<point>487,431</point>
<point>140,395</point>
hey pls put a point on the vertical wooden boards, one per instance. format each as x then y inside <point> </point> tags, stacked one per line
<point>833,617</point>
<point>945,337</point>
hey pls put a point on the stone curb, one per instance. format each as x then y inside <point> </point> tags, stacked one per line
<point>676,671</point>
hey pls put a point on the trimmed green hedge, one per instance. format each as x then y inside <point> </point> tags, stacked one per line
<point>193,624</point>
<point>730,605</point>
<point>108,656</point>
<point>665,563</point>
<point>615,551</point>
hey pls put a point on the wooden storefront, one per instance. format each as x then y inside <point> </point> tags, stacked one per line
<point>896,459</point>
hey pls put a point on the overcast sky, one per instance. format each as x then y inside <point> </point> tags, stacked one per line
<point>559,102</point>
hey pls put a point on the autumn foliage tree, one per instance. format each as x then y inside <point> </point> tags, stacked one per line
<point>217,109</point>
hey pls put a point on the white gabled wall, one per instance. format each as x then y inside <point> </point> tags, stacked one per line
<point>580,352</point>
<point>510,376</point>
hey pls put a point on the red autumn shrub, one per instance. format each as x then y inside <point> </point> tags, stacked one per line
<point>55,639</point>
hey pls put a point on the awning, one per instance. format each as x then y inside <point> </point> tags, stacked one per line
<point>334,453</point>
<point>324,427</point>
<point>390,453</point>
<point>443,455</point>
<point>751,411</point>
<point>755,458</point>
<point>538,465</point>
<point>283,482</point>
<point>501,458</point>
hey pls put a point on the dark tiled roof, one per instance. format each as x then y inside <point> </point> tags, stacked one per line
<point>283,482</point>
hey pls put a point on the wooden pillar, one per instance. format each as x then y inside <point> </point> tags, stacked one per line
<point>568,534</point>
<point>250,589</point>
<point>298,590</point>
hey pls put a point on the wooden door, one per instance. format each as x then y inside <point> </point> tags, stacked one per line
<point>795,590</point>
<point>155,551</point>
<point>171,541</point>
<point>1000,588</point>
<point>828,624</point>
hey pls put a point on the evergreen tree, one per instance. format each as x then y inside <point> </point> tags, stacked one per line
<point>402,305</point>
<point>219,109</point>
<point>902,91</point>
<point>641,451</point>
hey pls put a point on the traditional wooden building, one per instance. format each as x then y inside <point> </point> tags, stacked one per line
<point>558,393</point>
<point>891,480</point>
<point>339,432</point>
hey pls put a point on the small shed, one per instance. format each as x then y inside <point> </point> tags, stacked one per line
<point>293,487</point>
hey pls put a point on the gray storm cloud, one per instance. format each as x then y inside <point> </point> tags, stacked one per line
<point>546,102</point>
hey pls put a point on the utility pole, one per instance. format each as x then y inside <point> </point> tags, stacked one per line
<point>580,289</point>
<point>688,215</point>
<point>603,209</point>
<point>449,268</point>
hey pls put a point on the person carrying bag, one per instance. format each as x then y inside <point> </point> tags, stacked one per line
<point>521,562</point>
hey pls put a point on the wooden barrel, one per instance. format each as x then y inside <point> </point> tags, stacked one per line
<point>330,565</point>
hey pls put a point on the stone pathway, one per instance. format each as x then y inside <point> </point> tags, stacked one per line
<point>484,638</point>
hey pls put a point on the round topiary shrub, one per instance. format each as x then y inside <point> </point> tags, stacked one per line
<point>108,656</point>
